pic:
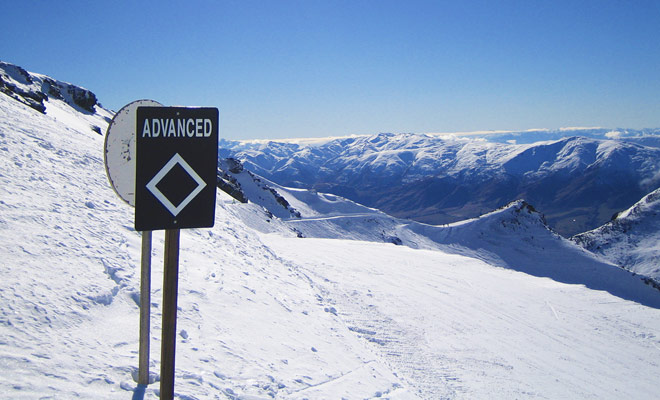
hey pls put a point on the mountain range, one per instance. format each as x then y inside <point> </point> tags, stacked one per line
<point>578,182</point>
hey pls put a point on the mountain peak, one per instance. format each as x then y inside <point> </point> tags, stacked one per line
<point>514,216</point>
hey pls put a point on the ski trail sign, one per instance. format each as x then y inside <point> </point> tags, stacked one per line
<point>176,167</point>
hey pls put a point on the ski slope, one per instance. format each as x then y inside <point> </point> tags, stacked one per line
<point>455,327</point>
<point>265,314</point>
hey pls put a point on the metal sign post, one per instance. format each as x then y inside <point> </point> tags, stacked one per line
<point>145,305</point>
<point>170,291</point>
<point>119,160</point>
<point>175,188</point>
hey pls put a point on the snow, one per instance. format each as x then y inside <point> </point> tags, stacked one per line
<point>479,331</point>
<point>631,239</point>
<point>265,314</point>
<point>496,136</point>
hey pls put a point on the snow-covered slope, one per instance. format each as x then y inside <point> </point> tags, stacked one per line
<point>250,323</point>
<point>632,239</point>
<point>578,182</point>
<point>265,314</point>
<point>510,237</point>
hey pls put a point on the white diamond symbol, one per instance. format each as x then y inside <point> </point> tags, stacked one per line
<point>177,159</point>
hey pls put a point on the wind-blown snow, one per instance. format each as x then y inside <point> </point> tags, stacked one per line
<point>265,314</point>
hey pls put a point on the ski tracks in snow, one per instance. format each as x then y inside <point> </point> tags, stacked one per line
<point>403,349</point>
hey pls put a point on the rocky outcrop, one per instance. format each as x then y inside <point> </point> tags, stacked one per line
<point>34,90</point>
<point>227,183</point>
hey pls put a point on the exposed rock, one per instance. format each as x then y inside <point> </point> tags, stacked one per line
<point>82,97</point>
<point>235,166</point>
<point>33,99</point>
<point>34,89</point>
<point>230,185</point>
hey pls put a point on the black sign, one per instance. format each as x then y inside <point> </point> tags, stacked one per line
<point>176,165</point>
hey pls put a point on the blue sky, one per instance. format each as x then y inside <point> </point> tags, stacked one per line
<point>279,69</point>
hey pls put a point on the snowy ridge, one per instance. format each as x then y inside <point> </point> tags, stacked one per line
<point>501,136</point>
<point>516,235</point>
<point>631,239</point>
<point>265,314</point>
<point>254,188</point>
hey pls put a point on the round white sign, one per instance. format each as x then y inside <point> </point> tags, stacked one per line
<point>119,154</point>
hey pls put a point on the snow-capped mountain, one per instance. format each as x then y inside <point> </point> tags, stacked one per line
<point>648,137</point>
<point>577,182</point>
<point>631,239</point>
<point>494,307</point>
